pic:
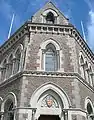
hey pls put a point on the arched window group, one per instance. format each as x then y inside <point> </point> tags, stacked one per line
<point>11,65</point>
<point>86,70</point>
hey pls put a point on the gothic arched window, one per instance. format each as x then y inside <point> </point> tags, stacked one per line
<point>91,76</point>
<point>89,109</point>
<point>82,66</point>
<point>3,70</point>
<point>10,66</point>
<point>50,18</point>
<point>87,72</point>
<point>51,61</point>
<point>17,61</point>
<point>9,113</point>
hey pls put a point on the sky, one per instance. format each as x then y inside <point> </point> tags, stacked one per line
<point>75,10</point>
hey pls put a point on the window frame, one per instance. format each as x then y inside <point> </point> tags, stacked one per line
<point>51,47</point>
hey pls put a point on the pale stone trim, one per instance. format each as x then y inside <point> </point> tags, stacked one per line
<point>50,10</point>
<point>11,96</point>
<point>41,92</point>
<point>88,100</point>
<point>81,57</point>
<point>48,74</point>
<point>78,112</point>
<point>1,98</point>
<point>71,111</point>
<point>44,44</point>
<point>20,47</point>
<point>55,88</point>
<point>4,60</point>
<point>41,54</point>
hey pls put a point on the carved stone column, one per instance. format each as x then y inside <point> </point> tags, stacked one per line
<point>2,115</point>
<point>33,113</point>
<point>65,112</point>
<point>3,73</point>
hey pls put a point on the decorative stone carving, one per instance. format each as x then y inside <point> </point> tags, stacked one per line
<point>50,101</point>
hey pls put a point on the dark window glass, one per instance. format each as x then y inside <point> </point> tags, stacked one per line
<point>50,60</point>
<point>50,18</point>
<point>11,114</point>
<point>89,109</point>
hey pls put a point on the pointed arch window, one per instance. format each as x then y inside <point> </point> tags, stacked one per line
<point>10,66</point>
<point>8,109</point>
<point>17,61</point>
<point>50,18</point>
<point>87,72</point>
<point>51,58</point>
<point>91,76</point>
<point>90,112</point>
<point>89,109</point>
<point>82,68</point>
<point>3,70</point>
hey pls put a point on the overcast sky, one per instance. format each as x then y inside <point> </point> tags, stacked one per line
<point>75,10</point>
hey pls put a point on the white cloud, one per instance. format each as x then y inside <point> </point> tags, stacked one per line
<point>90,24</point>
<point>90,28</point>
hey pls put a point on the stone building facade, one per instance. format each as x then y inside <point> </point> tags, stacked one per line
<point>46,71</point>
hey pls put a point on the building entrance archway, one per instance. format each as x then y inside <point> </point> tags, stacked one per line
<point>49,100</point>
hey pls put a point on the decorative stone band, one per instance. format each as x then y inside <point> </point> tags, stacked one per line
<point>14,38</point>
<point>66,111</point>
<point>48,74</point>
<point>47,28</point>
<point>62,29</point>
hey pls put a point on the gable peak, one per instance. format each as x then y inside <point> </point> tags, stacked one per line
<point>49,13</point>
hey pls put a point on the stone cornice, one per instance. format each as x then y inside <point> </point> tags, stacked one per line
<point>64,30</point>
<point>48,29</point>
<point>83,44</point>
<point>14,38</point>
<point>47,74</point>
<point>75,109</point>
